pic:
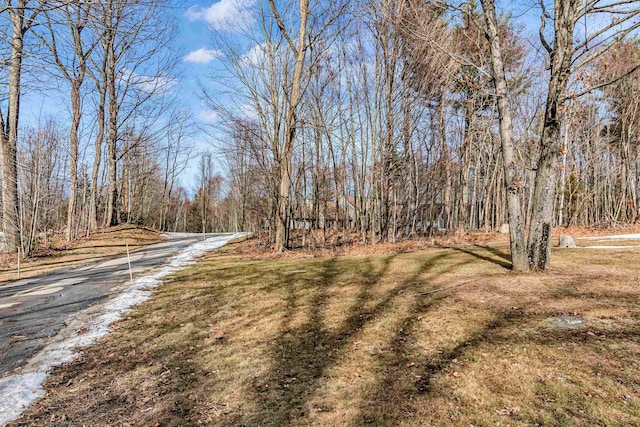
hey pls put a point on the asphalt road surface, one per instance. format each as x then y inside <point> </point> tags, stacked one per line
<point>36,309</point>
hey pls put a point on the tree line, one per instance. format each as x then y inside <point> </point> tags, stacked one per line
<point>120,137</point>
<point>398,118</point>
<point>382,119</point>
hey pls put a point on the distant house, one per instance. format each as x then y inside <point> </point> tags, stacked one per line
<point>327,214</point>
<point>341,214</point>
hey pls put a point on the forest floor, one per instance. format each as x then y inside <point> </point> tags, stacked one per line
<point>59,254</point>
<point>437,336</point>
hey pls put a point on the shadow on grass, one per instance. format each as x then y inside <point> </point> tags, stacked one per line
<point>302,355</point>
<point>503,261</point>
<point>497,252</point>
<point>407,376</point>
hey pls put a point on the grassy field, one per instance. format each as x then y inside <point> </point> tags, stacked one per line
<point>436,337</point>
<point>105,243</point>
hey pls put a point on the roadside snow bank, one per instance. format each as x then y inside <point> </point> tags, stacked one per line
<point>18,391</point>
<point>615,237</point>
<point>611,247</point>
<point>170,235</point>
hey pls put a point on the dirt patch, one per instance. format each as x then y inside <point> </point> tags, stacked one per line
<point>439,336</point>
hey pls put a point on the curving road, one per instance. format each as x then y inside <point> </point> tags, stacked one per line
<point>36,309</point>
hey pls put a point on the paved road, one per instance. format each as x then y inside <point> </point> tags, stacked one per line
<point>35,309</point>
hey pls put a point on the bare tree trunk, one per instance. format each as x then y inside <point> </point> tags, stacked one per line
<point>95,171</point>
<point>563,175</point>
<point>9,138</point>
<point>513,182</point>
<point>73,159</point>
<point>544,193</point>
<point>112,138</point>
<point>74,18</point>
<point>284,200</point>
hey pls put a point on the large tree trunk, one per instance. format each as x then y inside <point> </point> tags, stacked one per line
<point>93,197</point>
<point>513,181</point>
<point>73,159</point>
<point>112,140</point>
<point>549,163</point>
<point>9,138</point>
<point>544,193</point>
<point>284,200</point>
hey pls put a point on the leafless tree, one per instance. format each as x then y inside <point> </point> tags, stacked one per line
<point>22,15</point>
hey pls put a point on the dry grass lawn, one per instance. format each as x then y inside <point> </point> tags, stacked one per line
<point>436,337</point>
<point>108,242</point>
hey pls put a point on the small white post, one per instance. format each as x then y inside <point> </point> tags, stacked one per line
<point>129,262</point>
<point>18,262</point>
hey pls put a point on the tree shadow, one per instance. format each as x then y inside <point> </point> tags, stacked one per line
<point>501,262</point>
<point>301,355</point>
<point>393,397</point>
<point>406,377</point>
<point>486,334</point>
<point>497,252</point>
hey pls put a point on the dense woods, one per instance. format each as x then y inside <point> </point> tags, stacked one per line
<point>385,120</point>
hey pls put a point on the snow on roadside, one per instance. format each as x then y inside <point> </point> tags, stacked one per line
<point>615,237</point>
<point>172,235</point>
<point>18,391</point>
<point>610,247</point>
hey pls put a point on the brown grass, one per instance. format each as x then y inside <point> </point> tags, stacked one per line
<point>60,254</point>
<point>436,337</point>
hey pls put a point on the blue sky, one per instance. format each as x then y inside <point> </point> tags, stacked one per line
<point>198,60</point>
<point>199,21</point>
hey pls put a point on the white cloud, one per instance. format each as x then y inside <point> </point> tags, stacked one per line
<point>256,56</point>
<point>208,116</point>
<point>149,84</point>
<point>202,56</point>
<point>158,83</point>
<point>224,15</point>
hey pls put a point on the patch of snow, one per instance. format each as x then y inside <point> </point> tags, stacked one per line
<point>18,391</point>
<point>616,237</point>
<point>611,247</point>
<point>170,235</point>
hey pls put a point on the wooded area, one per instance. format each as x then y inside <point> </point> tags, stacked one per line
<point>386,119</point>
<point>116,155</point>
<point>426,116</point>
